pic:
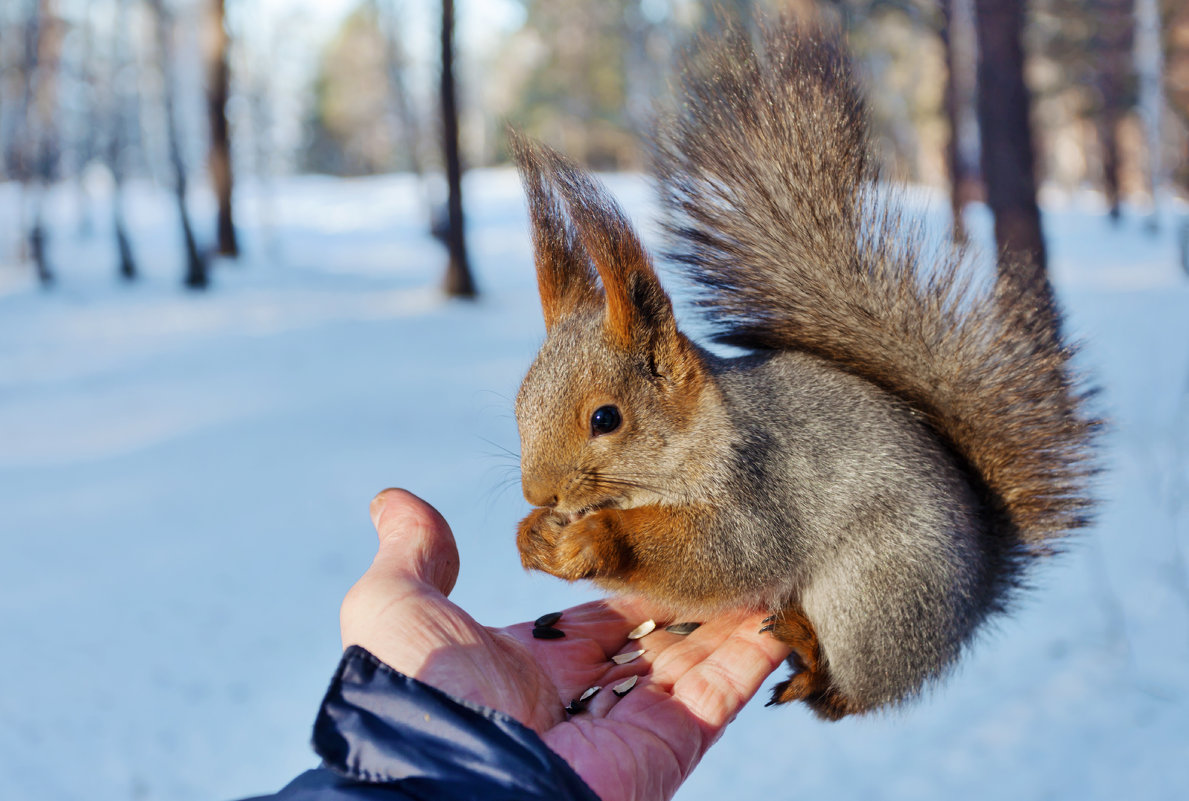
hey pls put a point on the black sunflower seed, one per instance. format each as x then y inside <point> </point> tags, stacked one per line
<point>681,628</point>
<point>547,620</point>
<point>547,633</point>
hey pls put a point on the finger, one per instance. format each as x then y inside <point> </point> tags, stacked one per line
<point>716,687</point>
<point>415,540</point>
<point>607,622</point>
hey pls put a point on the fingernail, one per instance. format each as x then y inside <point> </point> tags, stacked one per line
<point>376,506</point>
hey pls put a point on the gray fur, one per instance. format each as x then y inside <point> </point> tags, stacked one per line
<point>899,445</point>
<point>876,532</point>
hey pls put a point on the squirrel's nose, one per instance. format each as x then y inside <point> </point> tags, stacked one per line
<point>538,493</point>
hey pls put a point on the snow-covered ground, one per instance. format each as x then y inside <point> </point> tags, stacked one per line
<point>184,483</point>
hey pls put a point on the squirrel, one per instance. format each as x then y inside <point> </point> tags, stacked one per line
<point>894,449</point>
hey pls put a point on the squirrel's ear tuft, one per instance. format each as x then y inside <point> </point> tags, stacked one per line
<point>565,278</point>
<point>638,310</point>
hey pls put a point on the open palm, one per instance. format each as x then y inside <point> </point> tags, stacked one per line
<point>639,746</point>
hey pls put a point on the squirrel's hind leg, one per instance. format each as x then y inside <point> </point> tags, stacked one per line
<point>812,682</point>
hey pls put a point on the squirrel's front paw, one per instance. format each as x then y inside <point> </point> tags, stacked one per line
<point>585,548</point>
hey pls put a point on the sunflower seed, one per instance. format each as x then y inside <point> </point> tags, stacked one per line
<point>625,686</point>
<point>644,628</point>
<point>547,633</point>
<point>589,694</point>
<point>547,620</point>
<point>574,707</point>
<point>681,628</point>
<point>623,659</point>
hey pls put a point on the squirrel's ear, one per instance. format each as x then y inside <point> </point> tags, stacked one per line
<point>564,275</point>
<point>638,310</point>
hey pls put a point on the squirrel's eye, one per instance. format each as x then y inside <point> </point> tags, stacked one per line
<point>605,420</point>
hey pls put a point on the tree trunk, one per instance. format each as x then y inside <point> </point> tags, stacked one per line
<point>459,282</point>
<point>1008,162</point>
<point>1113,41</point>
<point>37,246</point>
<point>118,119</point>
<point>6,68</point>
<point>1108,143</point>
<point>951,104</point>
<point>42,50</point>
<point>196,272</point>
<point>1172,90</point>
<point>1184,240</point>
<point>1149,54</point>
<point>127,262</point>
<point>218,88</point>
<point>86,150</point>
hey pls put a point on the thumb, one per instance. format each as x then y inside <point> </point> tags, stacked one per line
<point>414,540</point>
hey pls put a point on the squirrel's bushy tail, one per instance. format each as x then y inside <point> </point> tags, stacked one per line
<point>771,186</point>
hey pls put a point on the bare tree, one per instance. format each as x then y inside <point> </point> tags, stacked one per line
<point>42,50</point>
<point>218,87</point>
<point>1008,160</point>
<point>117,116</point>
<point>1112,48</point>
<point>85,147</point>
<point>459,282</point>
<point>6,70</point>
<point>196,267</point>
<point>957,39</point>
<point>1149,55</point>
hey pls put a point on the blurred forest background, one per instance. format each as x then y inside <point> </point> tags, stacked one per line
<point>225,231</point>
<point>992,100</point>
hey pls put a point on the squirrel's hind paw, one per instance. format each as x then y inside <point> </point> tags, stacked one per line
<point>826,702</point>
<point>811,682</point>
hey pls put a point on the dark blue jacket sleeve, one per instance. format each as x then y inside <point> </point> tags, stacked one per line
<point>384,735</point>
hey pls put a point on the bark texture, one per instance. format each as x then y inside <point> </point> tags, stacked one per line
<point>459,282</point>
<point>217,91</point>
<point>1008,158</point>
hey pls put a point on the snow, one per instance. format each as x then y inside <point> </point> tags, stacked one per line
<point>184,483</point>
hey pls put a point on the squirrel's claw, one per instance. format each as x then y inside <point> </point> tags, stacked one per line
<point>810,687</point>
<point>811,681</point>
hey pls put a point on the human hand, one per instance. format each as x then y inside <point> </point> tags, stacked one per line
<point>641,746</point>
